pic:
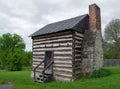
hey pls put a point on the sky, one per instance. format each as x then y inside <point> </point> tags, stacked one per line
<point>24,17</point>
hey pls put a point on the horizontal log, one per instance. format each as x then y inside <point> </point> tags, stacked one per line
<point>39,68</point>
<point>61,69</point>
<point>63,55</point>
<point>54,45</point>
<point>63,52</point>
<point>60,48</point>
<point>51,46</point>
<point>62,61</point>
<point>37,63</point>
<point>62,65</point>
<point>78,38</point>
<point>57,42</point>
<point>63,75</point>
<point>38,52</point>
<point>53,35</point>
<point>36,57</point>
<point>79,34</point>
<point>61,78</point>
<point>54,38</point>
<point>53,41</point>
<point>37,60</point>
<point>67,67</point>
<point>63,72</point>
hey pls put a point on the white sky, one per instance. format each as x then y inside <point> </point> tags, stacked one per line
<point>27,16</point>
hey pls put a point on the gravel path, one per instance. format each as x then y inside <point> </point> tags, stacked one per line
<point>6,86</point>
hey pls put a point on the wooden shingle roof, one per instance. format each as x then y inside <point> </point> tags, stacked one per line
<point>59,26</point>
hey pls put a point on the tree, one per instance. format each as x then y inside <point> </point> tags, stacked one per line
<point>11,46</point>
<point>27,59</point>
<point>112,37</point>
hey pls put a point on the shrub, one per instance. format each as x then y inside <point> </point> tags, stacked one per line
<point>100,73</point>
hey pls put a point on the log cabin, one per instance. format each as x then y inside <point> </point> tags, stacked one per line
<point>68,49</point>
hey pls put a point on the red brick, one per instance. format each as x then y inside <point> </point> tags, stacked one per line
<point>94,17</point>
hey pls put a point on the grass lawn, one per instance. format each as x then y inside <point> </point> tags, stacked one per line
<point>21,80</point>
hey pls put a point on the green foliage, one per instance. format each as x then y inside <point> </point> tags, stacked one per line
<point>27,58</point>
<point>12,52</point>
<point>100,73</point>
<point>15,61</point>
<point>111,42</point>
<point>22,80</point>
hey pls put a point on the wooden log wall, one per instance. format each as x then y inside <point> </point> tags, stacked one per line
<point>78,39</point>
<point>61,45</point>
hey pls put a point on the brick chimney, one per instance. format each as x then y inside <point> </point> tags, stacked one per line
<point>94,18</point>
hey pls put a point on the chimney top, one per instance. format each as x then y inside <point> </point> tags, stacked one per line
<point>94,17</point>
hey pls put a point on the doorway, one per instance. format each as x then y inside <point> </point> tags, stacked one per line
<point>48,59</point>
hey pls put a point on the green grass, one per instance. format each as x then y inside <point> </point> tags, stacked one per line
<point>21,80</point>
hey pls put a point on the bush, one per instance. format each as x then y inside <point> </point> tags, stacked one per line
<point>100,73</point>
<point>15,61</point>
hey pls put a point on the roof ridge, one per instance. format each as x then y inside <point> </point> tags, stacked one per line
<point>68,19</point>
